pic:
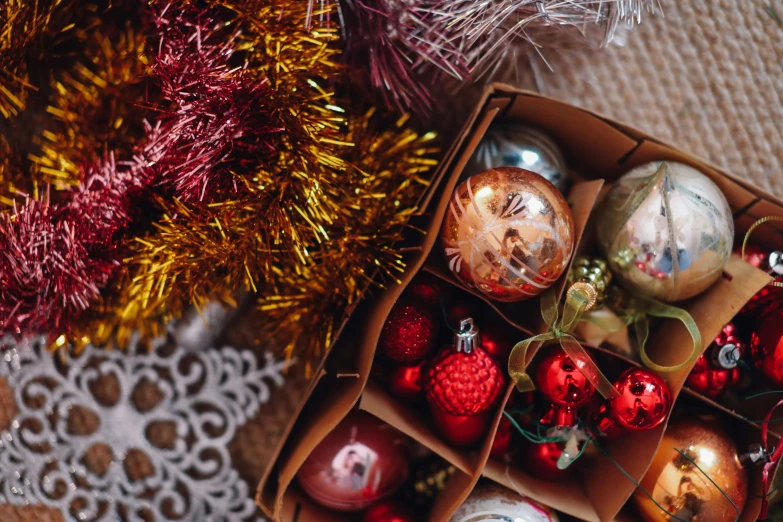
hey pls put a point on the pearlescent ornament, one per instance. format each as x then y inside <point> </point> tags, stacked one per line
<point>666,230</point>
<point>523,147</point>
<point>494,503</point>
<point>508,233</point>
<point>676,483</point>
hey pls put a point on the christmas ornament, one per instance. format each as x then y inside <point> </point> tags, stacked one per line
<point>502,441</point>
<point>523,147</point>
<point>429,476</point>
<point>407,382</point>
<point>766,345</point>
<point>681,485</point>
<point>388,511</point>
<point>600,421</point>
<point>718,367</point>
<point>410,331</point>
<point>643,403</point>
<point>463,383</point>
<point>666,230</point>
<point>540,460</point>
<point>109,410</point>
<point>425,288</point>
<point>495,340</point>
<point>591,276</point>
<point>508,233</point>
<point>361,461</point>
<point>562,383</point>
<point>491,502</point>
<point>459,310</point>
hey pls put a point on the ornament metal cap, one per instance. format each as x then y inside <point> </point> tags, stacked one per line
<point>727,357</point>
<point>587,290</point>
<point>467,338</point>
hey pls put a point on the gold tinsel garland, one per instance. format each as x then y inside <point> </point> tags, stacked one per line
<point>308,230</point>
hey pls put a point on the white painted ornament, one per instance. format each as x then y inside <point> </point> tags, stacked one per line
<point>494,503</point>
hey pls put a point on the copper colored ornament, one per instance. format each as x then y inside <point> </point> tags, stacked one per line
<point>502,441</point>
<point>644,400</point>
<point>666,230</point>
<point>766,345</point>
<point>564,385</point>
<point>681,488</point>
<point>429,476</point>
<point>410,331</point>
<point>508,233</point>
<point>361,461</point>
<point>718,367</point>
<point>388,511</point>
<point>407,382</point>
<point>540,460</point>
<point>494,503</point>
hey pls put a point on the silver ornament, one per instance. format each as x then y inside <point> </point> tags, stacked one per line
<point>514,145</point>
<point>494,503</point>
<point>666,230</point>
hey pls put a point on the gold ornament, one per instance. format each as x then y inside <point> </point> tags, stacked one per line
<point>666,230</point>
<point>591,277</point>
<point>677,484</point>
<point>508,232</point>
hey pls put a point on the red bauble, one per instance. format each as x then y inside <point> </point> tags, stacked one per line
<point>766,346</point>
<point>716,369</point>
<point>496,342</point>
<point>599,418</point>
<point>644,400</point>
<point>502,441</point>
<point>425,289</point>
<point>540,460</point>
<point>407,382</point>
<point>460,383</point>
<point>459,310</point>
<point>360,462</point>
<point>410,331</point>
<point>755,255</point>
<point>460,430</point>
<point>764,301</point>
<point>388,511</point>
<point>561,383</point>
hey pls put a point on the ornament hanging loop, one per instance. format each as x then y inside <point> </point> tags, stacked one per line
<point>775,259</point>
<point>467,338</point>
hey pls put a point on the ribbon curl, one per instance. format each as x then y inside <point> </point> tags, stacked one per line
<point>558,330</point>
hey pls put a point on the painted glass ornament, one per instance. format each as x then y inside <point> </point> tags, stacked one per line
<point>508,233</point>
<point>523,147</point>
<point>682,488</point>
<point>666,230</point>
<point>361,461</point>
<point>494,503</point>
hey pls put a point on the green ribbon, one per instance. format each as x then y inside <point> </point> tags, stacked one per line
<point>636,310</point>
<point>558,330</point>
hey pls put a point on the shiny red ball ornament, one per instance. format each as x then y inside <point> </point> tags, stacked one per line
<point>361,461</point>
<point>540,460</point>
<point>388,511</point>
<point>564,385</point>
<point>600,420</point>
<point>766,346</point>
<point>496,342</point>
<point>718,367</point>
<point>502,441</point>
<point>407,382</point>
<point>409,332</point>
<point>644,400</point>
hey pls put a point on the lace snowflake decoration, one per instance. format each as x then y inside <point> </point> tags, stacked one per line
<point>118,436</point>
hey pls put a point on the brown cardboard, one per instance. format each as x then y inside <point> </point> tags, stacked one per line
<point>596,148</point>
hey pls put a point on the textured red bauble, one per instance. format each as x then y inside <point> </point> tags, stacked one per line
<point>388,511</point>
<point>564,385</point>
<point>766,346</point>
<point>644,400</point>
<point>540,460</point>
<point>717,368</point>
<point>409,332</point>
<point>502,441</point>
<point>460,430</point>
<point>407,382</point>
<point>360,462</point>
<point>460,383</point>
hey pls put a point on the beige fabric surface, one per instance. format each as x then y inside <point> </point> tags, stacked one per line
<point>706,76</point>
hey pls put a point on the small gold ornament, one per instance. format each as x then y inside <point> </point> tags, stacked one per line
<point>666,230</point>
<point>508,233</point>
<point>590,276</point>
<point>677,484</point>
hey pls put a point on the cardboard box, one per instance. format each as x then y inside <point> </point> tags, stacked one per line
<point>597,151</point>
